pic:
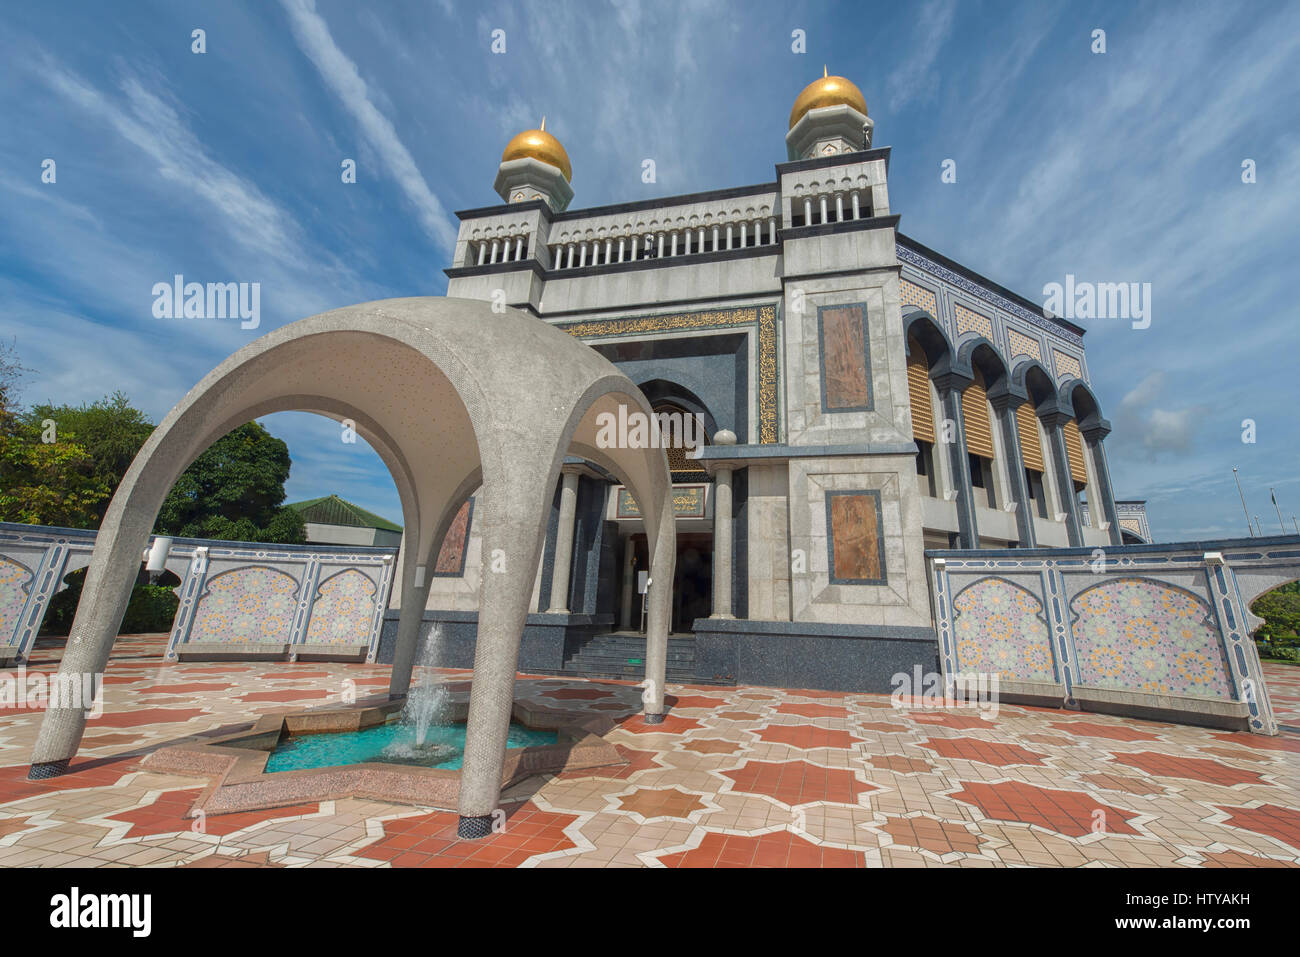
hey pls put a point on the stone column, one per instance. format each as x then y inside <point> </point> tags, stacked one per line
<point>1054,425</point>
<point>564,545</point>
<point>722,531</point>
<point>950,386</point>
<point>1005,406</point>
<point>1105,506</point>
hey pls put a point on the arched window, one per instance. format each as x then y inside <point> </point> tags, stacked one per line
<point>979,439</point>
<point>681,432</point>
<point>918,391</point>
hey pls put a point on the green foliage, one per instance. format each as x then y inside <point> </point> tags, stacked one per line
<point>234,492</point>
<point>110,430</point>
<point>151,608</point>
<point>48,483</point>
<point>1279,636</point>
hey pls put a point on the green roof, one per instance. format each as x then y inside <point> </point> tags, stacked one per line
<point>332,510</point>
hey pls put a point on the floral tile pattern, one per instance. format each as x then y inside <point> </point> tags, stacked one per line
<point>735,777</point>
<point>343,610</point>
<point>1134,633</point>
<point>1001,629</point>
<point>246,605</point>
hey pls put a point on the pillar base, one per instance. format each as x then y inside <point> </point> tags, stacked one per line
<point>653,718</point>
<point>474,828</point>
<point>48,769</point>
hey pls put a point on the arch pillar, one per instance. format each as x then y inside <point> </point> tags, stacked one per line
<point>1005,406</point>
<point>514,494</point>
<point>1093,437</point>
<point>951,384</point>
<point>1054,424</point>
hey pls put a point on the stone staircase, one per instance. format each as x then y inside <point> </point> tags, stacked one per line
<point>622,655</point>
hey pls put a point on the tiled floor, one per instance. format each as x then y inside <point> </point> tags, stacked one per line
<point>758,777</point>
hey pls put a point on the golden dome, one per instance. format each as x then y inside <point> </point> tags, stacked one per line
<point>539,145</point>
<point>828,91</point>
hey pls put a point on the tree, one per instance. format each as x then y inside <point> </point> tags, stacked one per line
<point>234,492</point>
<point>111,432</point>
<point>1280,609</point>
<point>47,481</point>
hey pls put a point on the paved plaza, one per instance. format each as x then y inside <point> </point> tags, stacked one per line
<point>734,777</point>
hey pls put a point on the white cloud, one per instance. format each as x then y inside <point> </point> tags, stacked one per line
<point>342,77</point>
<point>917,79</point>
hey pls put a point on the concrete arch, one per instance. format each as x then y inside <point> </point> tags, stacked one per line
<point>458,359</point>
<point>1033,380</point>
<point>663,390</point>
<point>1077,398</point>
<point>928,332</point>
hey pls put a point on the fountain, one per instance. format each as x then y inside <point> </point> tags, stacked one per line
<point>427,704</point>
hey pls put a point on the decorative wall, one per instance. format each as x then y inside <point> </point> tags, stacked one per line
<point>234,596</point>
<point>1000,628</point>
<point>1145,634</point>
<point>1151,630</point>
<point>246,606</point>
<point>345,607</point>
<point>15,582</point>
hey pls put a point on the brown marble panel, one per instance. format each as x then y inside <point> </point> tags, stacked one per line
<point>855,534</point>
<point>845,376</point>
<point>451,557</point>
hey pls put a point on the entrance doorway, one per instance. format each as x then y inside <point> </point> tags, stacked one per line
<point>692,578</point>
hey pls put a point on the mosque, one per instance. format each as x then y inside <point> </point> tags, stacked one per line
<point>864,398</point>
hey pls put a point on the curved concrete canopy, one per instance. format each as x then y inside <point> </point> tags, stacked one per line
<point>452,396</point>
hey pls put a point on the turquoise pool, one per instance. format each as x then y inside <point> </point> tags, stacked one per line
<point>392,743</point>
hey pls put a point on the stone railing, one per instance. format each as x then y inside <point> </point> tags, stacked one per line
<point>500,244</point>
<point>1160,631</point>
<point>609,240</point>
<point>237,599</point>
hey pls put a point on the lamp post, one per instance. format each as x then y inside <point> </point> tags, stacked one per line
<point>1236,478</point>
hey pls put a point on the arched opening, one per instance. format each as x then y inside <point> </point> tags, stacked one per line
<point>1084,468</point>
<point>1278,638</point>
<point>1040,479</point>
<point>922,414</point>
<point>930,354</point>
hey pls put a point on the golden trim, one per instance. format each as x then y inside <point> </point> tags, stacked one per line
<point>764,317</point>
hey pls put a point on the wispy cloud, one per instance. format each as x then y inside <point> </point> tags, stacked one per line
<point>344,79</point>
<point>917,78</point>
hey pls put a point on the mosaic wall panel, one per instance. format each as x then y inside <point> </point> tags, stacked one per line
<point>910,294</point>
<point>343,610</point>
<point>1000,629</point>
<point>14,581</point>
<point>246,606</point>
<point>968,320</point>
<point>1141,634</point>
<point>451,556</point>
<point>1067,366</point>
<point>846,365</point>
<point>1019,344</point>
<point>856,538</point>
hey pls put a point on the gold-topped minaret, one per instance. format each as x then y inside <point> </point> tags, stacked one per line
<point>539,145</point>
<point>828,91</point>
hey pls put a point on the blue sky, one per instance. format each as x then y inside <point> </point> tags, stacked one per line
<point>225,166</point>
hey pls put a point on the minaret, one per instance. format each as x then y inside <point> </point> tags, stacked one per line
<point>535,166</point>
<point>828,117</point>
